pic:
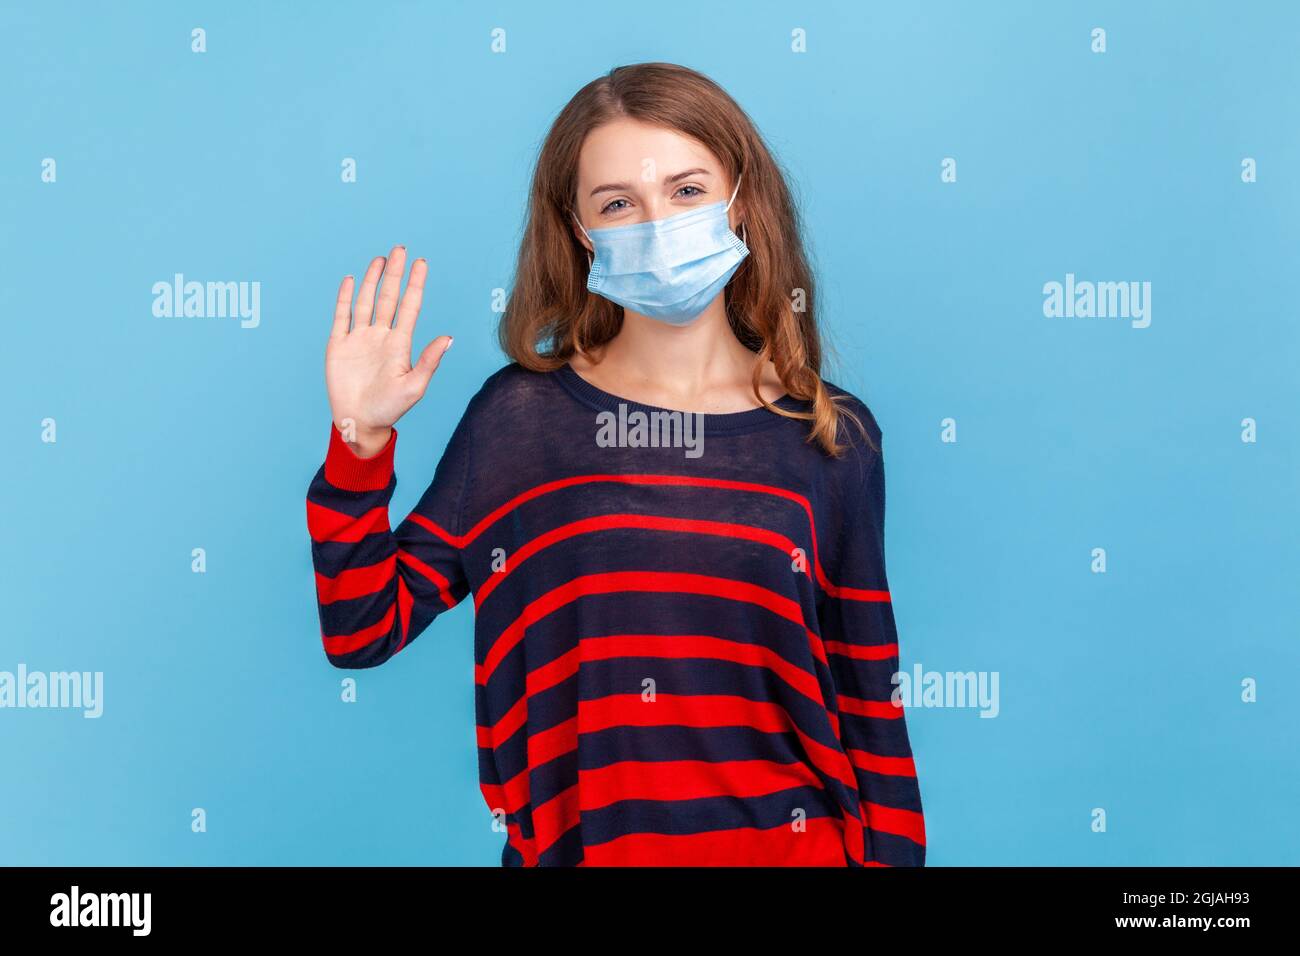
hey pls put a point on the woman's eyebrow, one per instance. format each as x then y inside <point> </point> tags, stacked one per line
<point>668,181</point>
<point>690,172</point>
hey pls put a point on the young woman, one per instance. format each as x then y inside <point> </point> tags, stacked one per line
<point>671,526</point>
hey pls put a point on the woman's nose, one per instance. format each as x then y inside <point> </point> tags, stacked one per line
<point>655,207</point>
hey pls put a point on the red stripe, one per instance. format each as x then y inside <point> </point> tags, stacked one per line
<point>884,709</point>
<point>546,745</point>
<point>689,780</point>
<point>554,818</point>
<point>855,594</point>
<point>556,672</point>
<point>510,796</point>
<point>682,710</point>
<point>327,525</point>
<point>492,737</point>
<point>460,541</point>
<point>346,643</point>
<point>687,646</point>
<point>646,522</point>
<point>905,823</point>
<point>356,582</point>
<point>433,528</point>
<point>439,581</point>
<point>875,763</point>
<point>404,603</point>
<point>863,652</point>
<point>819,844</point>
<point>373,578</point>
<point>640,581</point>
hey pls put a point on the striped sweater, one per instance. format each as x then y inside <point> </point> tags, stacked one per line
<point>683,647</point>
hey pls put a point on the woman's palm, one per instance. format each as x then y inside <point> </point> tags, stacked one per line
<point>368,371</point>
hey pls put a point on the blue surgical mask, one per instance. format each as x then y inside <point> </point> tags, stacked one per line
<point>669,269</point>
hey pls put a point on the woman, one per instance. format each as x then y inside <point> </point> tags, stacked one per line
<point>671,526</point>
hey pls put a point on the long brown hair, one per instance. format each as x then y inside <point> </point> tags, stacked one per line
<point>769,301</point>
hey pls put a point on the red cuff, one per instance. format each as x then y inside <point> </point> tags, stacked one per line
<point>348,471</point>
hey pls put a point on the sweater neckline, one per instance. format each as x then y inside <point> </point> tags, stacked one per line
<point>714,423</point>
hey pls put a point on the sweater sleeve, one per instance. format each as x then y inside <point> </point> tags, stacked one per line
<point>862,651</point>
<point>377,589</point>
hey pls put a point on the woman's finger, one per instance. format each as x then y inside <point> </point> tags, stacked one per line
<point>430,359</point>
<point>343,308</point>
<point>412,297</point>
<point>392,284</point>
<point>366,297</point>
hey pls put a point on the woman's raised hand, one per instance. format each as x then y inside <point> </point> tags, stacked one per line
<point>368,371</point>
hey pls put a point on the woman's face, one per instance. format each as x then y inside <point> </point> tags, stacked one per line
<point>629,172</point>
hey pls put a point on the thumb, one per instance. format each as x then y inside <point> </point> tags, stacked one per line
<point>430,358</point>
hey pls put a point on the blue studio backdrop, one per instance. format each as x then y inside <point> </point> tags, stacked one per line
<point>1092,514</point>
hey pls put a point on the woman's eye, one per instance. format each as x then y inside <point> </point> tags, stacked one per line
<point>697,191</point>
<point>613,206</point>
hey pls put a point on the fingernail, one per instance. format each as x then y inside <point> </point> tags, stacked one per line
<point>448,346</point>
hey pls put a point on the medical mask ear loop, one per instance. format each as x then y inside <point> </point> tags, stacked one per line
<point>734,193</point>
<point>585,233</point>
<point>727,208</point>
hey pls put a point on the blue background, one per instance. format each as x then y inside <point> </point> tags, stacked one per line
<point>1119,691</point>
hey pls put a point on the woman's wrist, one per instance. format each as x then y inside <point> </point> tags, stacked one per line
<point>366,442</point>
